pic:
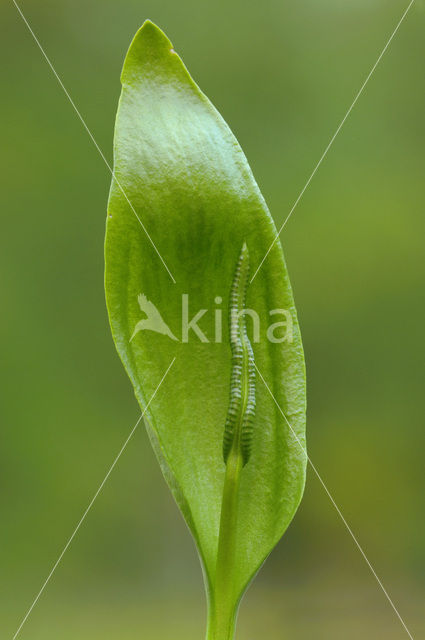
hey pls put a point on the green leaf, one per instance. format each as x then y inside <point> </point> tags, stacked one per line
<point>186,229</point>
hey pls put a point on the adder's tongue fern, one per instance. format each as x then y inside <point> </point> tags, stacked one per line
<point>183,206</point>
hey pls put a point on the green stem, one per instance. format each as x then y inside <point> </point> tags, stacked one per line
<point>222,617</point>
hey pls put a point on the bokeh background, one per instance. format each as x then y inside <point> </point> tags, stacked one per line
<point>283,75</point>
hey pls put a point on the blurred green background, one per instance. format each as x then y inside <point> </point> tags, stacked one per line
<point>283,75</point>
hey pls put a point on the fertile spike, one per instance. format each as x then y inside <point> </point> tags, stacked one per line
<point>238,428</point>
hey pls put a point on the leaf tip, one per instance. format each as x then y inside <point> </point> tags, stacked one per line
<point>151,29</point>
<point>150,42</point>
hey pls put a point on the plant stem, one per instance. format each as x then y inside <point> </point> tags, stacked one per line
<point>223,600</point>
